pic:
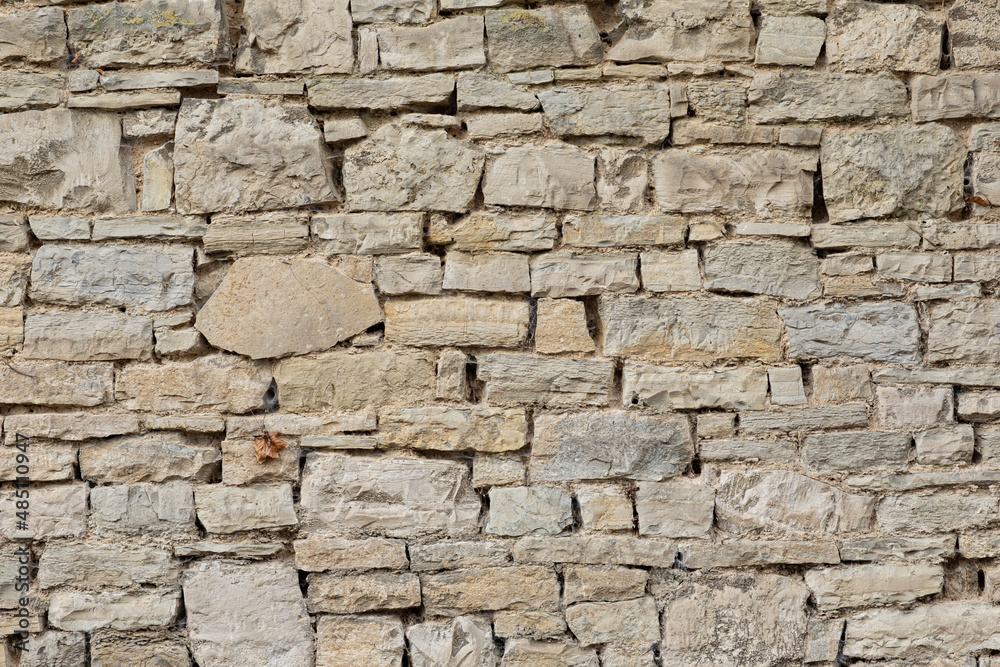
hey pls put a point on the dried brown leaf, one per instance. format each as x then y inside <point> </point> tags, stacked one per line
<point>978,200</point>
<point>267,446</point>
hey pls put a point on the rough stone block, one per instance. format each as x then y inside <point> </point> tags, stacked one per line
<point>518,588</point>
<point>513,379</point>
<point>71,610</point>
<point>678,388</point>
<point>936,513</point>
<point>457,320</point>
<point>561,326</point>
<point>160,509</point>
<point>788,271</point>
<point>227,383</point>
<point>676,271</point>
<point>557,36</point>
<point>943,627</point>
<point>607,622</point>
<point>381,94</point>
<point>152,457</point>
<point>368,233</point>
<point>479,232</point>
<point>526,510</point>
<point>560,177</point>
<point>963,331</point>
<point>35,35</point>
<point>790,40</point>
<point>280,38</point>
<point>322,554</point>
<point>637,110</point>
<point>348,641</point>
<point>416,273</point>
<point>493,272</point>
<point>452,43</point>
<point>460,641</point>
<point>358,593</point>
<point>594,584</point>
<point>694,32</point>
<point>915,406</point>
<point>779,96</point>
<point>973,30</point>
<point>870,36</point>
<point>674,509</point>
<point>945,445</point>
<point>871,331</point>
<point>453,429</point>
<point>559,274</point>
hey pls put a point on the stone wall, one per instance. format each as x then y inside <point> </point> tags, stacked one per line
<point>468,334</point>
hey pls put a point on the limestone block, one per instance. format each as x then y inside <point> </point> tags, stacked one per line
<point>368,233</point>
<point>223,509</point>
<point>456,320</point>
<point>494,272</point>
<point>454,43</point>
<point>870,36</point>
<point>514,379</point>
<point>510,231</point>
<point>145,227</point>
<point>972,27</point>
<point>674,509</point>
<point>160,509</point>
<point>608,231</point>
<point>53,648</point>
<point>882,548</point>
<point>174,79</point>
<point>109,648</point>
<point>787,420</point>
<point>771,451</point>
<point>871,331</point>
<point>64,159</point>
<point>637,110</point>
<point>936,513</point>
<point>152,457</point>
<point>752,621</point>
<point>523,510</point>
<point>281,38</point>
<point>149,123</point>
<point>192,423</point>
<point>521,652</point>
<point>841,383</point>
<point>452,381</point>
<point>416,496</point>
<point>68,426</point>
<point>518,588</point>
<point>57,510</point>
<point>150,32</point>
<point>460,642</point>
<point>857,452</point>
<point>778,96</point>
<point>973,406</point>
<point>918,266</point>
<point>694,32</point>
<point>381,94</point>
<point>963,331</point>
<point>716,425</point>
<point>622,178</point>
<point>593,584</point>
<point>915,406</point>
<point>70,610</point>
<point>436,556</point>
<point>356,593</point>
<point>672,271</point>
<point>341,380</point>
<point>745,553</point>
<point>945,445</point>
<point>877,584</point>
<point>961,626</point>
<point>96,566</point>
<point>35,35</point>
<point>756,181</point>
<point>786,386</point>
<point>677,388</point>
<point>497,470</point>
<point>562,327</point>
<point>272,308</point>
<point>596,551</point>
<point>348,641</point>
<point>414,273</point>
<point>789,271</point>
<point>790,40</point>
<point>714,100</point>
<point>559,274</point>
<point>454,429</point>
<point>559,176</point>
<point>87,336</point>
<point>604,622</point>
<point>907,170</point>
<point>158,179</point>
<point>764,500</point>
<point>56,383</point>
<point>534,624</point>
<point>247,154</point>
<point>124,101</point>
<point>321,554</point>
<point>47,228</point>
<point>227,383</point>
<point>30,91</point>
<point>681,329</point>
<point>688,131</point>
<point>483,91</point>
<point>556,36</point>
<point>880,235</point>
<point>52,462</point>
<point>411,169</point>
<point>217,597</point>
<point>590,445</point>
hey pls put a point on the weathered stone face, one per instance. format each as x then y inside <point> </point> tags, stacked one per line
<point>408,169</point>
<point>557,177</point>
<point>695,31</point>
<point>151,32</point>
<point>550,37</point>
<point>641,111</point>
<point>64,159</point>
<point>281,38</point>
<point>797,96</point>
<point>867,36</point>
<point>785,271</point>
<point>877,332</point>
<point>225,161</point>
<point>449,44</point>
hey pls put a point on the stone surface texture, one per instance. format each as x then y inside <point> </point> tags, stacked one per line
<point>486,333</point>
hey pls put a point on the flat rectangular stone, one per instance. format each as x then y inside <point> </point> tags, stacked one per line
<point>87,336</point>
<point>858,452</point>
<point>801,95</point>
<point>30,91</point>
<point>358,593</point>
<point>638,110</point>
<point>251,87</point>
<point>499,124</point>
<point>149,123</point>
<point>381,94</point>
<point>962,331</point>
<point>675,388</point>
<point>787,271</point>
<point>976,267</point>
<point>227,509</point>
<point>417,497</point>
<point>84,612</point>
<point>456,320</point>
<point>560,274</point>
<point>762,181</point>
<point>454,429</point>
<point>879,235</point>
<point>295,425</point>
<point>756,553</point>
<point>955,95</point>
<point>978,544</point>
<point>871,331</point>
<point>47,228</point>
<point>670,271</point>
<point>925,480</point>
<point>228,383</point>
<point>96,566</point>
<point>452,43</point>
<point>123,101</point>
<point>682,329</point>
<point>592,445</point>
<point>518,379</point>
<point>634,551</point>
<point>955,627</point>
<point>915,266</point>
<point>458,555</point>
<point>36,35</point>
<point>477,90</point>
<point>522,587</point>
<point>883,548</point>
<point>610,231</point>
<point>369,233</point>
<point>231,550</point>
<point>751,451</point>
<point>48,462</point>
<point>674,509</point>
<point>492,272</point>
<point>320,554</point>
<point>150,226</point>
<point>937,513</point>
<point>869,36</point>
<point>879,583</point>
<point>176,79</point>
<point>151,457</point>
<point>161,277</point>
<point>790,40</point>
<point>968,377</point>
<point>947,292</point>
<point>414,273</point>
<point>68,426</point>
<point>687,131</point>
<point>558,177</point>
<point>787,420</point>
<point>159,509</point>
<point>494,231</point>
<point>272,233</point>
<point>556,36</point>
<point>56,383</point>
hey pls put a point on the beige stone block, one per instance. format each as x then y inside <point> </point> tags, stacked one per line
<point>562,327</point>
